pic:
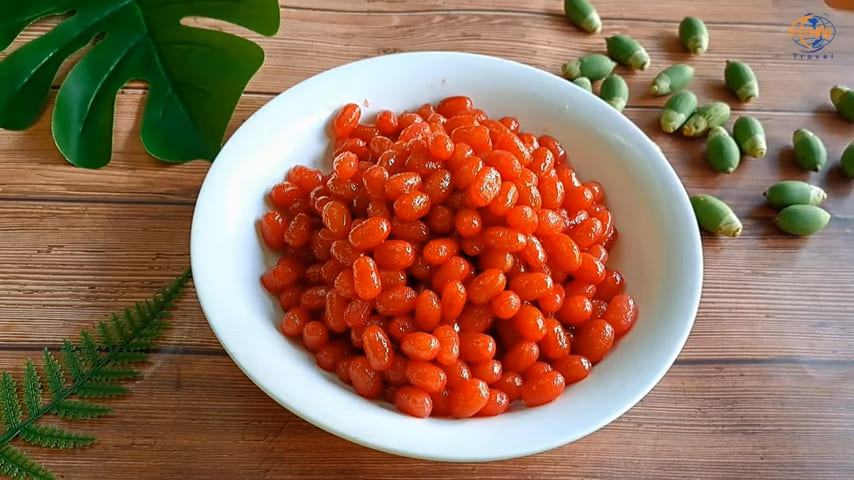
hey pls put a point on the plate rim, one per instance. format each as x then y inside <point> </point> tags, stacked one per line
<point>203,293</point>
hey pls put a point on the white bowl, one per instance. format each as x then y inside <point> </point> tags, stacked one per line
<point>658,251</point>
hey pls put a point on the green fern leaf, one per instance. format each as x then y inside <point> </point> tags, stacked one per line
<point>120,324</point>
<point>93,389</point>
<point>137,345</point>
<point>126,358</point>
<point>14,464</point>
<point>139,311</point>
<point>107,338</point>
<point>95,370</point>
<point>71,359</point>
<point>55,377</point>
<point>79,410</point>
<point>9,403</point>
<point>54,437</point>
<point>114,373</point>
<point>89,347</point>
<point>32,389</point>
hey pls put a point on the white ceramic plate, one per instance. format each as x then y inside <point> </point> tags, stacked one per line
<point>659,250</point>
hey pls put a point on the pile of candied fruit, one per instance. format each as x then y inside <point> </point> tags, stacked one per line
<point>448,263</point>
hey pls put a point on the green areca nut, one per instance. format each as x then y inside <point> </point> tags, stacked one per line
<point>715,216</point>
<point>722,151</point>
<point>583,15</point>
<point>627,52</point>
<point>584,83</point>
<point>810,153</point>
<point>672,79</point>
<point>741,81</point>
<point>847,160</point>
<point>794,192</point>
<point>595,67</point>
<point>677,110</point>
<point>802,219</point>
<point>615,91</point>
<point>843,99</point>
<point>714,114</point>
<point>694,35</point>
<point>750,135</point>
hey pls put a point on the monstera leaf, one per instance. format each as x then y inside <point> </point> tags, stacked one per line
<point>195,76</point>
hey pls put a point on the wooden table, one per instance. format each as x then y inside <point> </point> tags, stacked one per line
<point>763,389</point>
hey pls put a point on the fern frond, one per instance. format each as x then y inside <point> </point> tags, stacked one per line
<point>71,359</point>
<point>93,389</point>
<point>137,345</point>
<point>114,373</point>
<point>107,338</point>
<point>54,437</point>
<point>79,410</point>
<point>32,389</point>
<point>95,369</point>
<point>150,331</point>
<point>120,325</point>
<point>55,377</point>
<point>15,464</point>
<point>9,403</point>
<point>89,348</point>
<point>141,309</point>
<point>126,358</point>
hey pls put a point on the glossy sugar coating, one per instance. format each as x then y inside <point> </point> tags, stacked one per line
<point>449,262</point>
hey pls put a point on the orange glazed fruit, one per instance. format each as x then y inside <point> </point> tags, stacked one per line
<point>449,263</point>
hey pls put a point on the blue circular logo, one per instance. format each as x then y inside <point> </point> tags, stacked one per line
<point>812,32</point>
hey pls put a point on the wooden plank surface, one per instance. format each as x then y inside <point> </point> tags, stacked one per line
<point>111,255</point>
<point>317,40</point>
<point>32,169</point>
<point>763,389</point>
<point>725,420</point>
<point>777,12</point>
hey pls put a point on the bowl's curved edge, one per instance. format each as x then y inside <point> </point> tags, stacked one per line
<point>203,294</point>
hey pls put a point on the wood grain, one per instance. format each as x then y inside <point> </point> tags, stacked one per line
<point>206,421</point>
<point>764,388</point>
<point>33,169</point>
<point>316,40</point>
<point>778,12</point>
<point>547,42</point>
<point>65,266</point>
<point>111,255</point>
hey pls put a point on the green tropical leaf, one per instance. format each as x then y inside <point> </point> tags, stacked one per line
<point>79,410</point>
<point>9,403</point>
<point>14,464</point>
<point>32,388</point>
<point>49,436</point>
<point>196,76</point>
